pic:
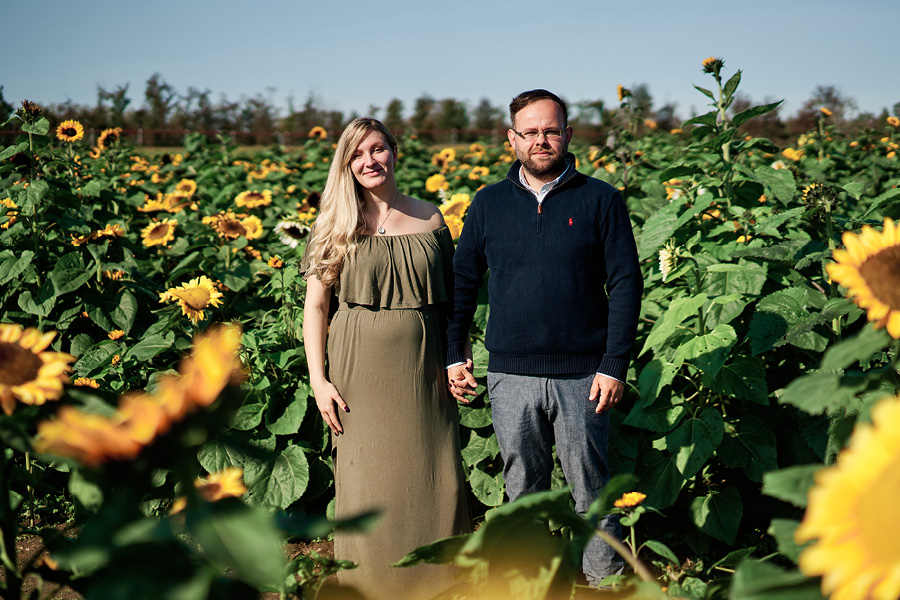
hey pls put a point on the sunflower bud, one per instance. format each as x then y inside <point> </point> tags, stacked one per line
<point>819,197</point>
<point>30,112</point>
<point>713,65</point>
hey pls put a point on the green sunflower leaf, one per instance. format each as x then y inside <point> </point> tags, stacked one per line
<point>69,274</point>
<point>718,514</point>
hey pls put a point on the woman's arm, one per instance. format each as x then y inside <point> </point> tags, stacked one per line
<point>315,327</point>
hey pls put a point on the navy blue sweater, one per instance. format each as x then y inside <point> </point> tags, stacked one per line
<point>564,287</point>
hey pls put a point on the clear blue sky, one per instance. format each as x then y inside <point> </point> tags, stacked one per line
<point>353,54</point>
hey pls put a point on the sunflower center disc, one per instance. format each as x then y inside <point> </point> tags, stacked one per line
<point>159,232</point>
<point>17,365</point>
<point>195,298</point>
<point>882,274</point>
<point>233,229</point>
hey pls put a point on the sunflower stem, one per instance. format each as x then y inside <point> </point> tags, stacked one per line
<point>633,537</point>
<point>639,568</point>
<point>836,326</point>
<point>8,532</point>
<point>30,488</point>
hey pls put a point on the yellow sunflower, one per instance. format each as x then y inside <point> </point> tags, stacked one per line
<point>28,373</point>
<point>630,499</point>
<point>275,262</point>
<point>112,231</point>
<point>70,131</point>
<point>455,224</point>
<point>194,297</point>
<point>11,213</point>
<point>94,439</point>
<point>115,334</point>
<point>456,206</point>
<point>436,182</point>
<point>160,178</point>
<point>317,132</point>
<point>86,382</point>
<point>893,121</point>
<point>825,111</point>
<point>154,204</point>
<point>622,92</point>
<point>253,226</point>
<point>448,154</point>
<point>212,364</point>
<point>91,439</point>
<point>228,483</point>
<point>186,187</point>
<point>253,199</point>
<point>478,172</point>
<point>108,137</point>
<point>95,152</point>
<point>870,270</point>
<point>227,224</point>
<point>159,233</point>
<point>852,514</point>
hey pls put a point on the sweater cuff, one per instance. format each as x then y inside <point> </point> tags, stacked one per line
<point>454,355</point>
<point>617,368</point>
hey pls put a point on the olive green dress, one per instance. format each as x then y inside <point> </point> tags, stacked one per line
<point>399,453</point>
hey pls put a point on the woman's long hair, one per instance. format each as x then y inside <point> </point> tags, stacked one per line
<point>340,221</point>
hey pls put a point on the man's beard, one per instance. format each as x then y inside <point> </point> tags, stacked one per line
<point>555,166</point>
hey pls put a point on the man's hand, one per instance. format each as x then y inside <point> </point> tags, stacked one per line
<point>461,382</point>
<point>607,391</point>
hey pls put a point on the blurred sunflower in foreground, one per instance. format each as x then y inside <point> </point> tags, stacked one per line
<point>28,373</point>
<point>852,513</point>
<point>94,439</point>
<point>869,268</point>
<point>227,483</point>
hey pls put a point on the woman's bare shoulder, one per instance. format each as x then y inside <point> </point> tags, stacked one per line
<point>426,211</point>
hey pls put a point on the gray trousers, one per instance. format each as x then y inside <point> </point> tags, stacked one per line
<point>529,414</point>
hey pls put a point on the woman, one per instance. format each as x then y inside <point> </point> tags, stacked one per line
<point>386,258</point>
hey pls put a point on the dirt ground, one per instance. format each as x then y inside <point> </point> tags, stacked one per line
<point>30,551</point>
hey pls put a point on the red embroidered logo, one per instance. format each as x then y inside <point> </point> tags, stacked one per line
<point>570,221</point>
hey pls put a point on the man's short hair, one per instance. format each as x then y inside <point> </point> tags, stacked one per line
<point>532,96</point>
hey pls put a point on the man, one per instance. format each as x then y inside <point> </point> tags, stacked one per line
<point>565,290</point>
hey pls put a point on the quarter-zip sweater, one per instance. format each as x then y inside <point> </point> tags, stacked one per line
<point>565,285</point>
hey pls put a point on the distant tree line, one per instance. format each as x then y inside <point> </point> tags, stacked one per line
<point>166,114</point>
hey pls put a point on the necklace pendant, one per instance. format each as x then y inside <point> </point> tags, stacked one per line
<point>381,230</point>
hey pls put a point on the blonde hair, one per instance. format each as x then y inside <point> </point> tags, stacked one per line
<point>340,221</point>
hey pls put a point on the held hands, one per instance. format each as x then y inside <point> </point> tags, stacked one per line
<point>461,382</point>
<point>607,391</point>
<point>326,397</point>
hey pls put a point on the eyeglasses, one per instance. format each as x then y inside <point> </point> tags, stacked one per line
<point>551,135</point>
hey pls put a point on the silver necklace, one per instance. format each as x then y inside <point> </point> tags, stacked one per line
<point>381,229</point>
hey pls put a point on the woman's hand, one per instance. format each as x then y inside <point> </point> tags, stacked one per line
<point>326,397</point>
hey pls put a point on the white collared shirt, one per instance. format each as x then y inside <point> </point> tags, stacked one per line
<point>545,189</point>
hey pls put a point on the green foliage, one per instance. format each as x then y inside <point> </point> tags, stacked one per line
<point>751,368</point>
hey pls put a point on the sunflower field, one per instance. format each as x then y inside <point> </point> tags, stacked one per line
<point>158,433</point>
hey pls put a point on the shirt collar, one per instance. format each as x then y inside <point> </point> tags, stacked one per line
<point>545,189</point>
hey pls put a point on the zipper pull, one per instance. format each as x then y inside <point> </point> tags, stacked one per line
<point>540,208</point>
